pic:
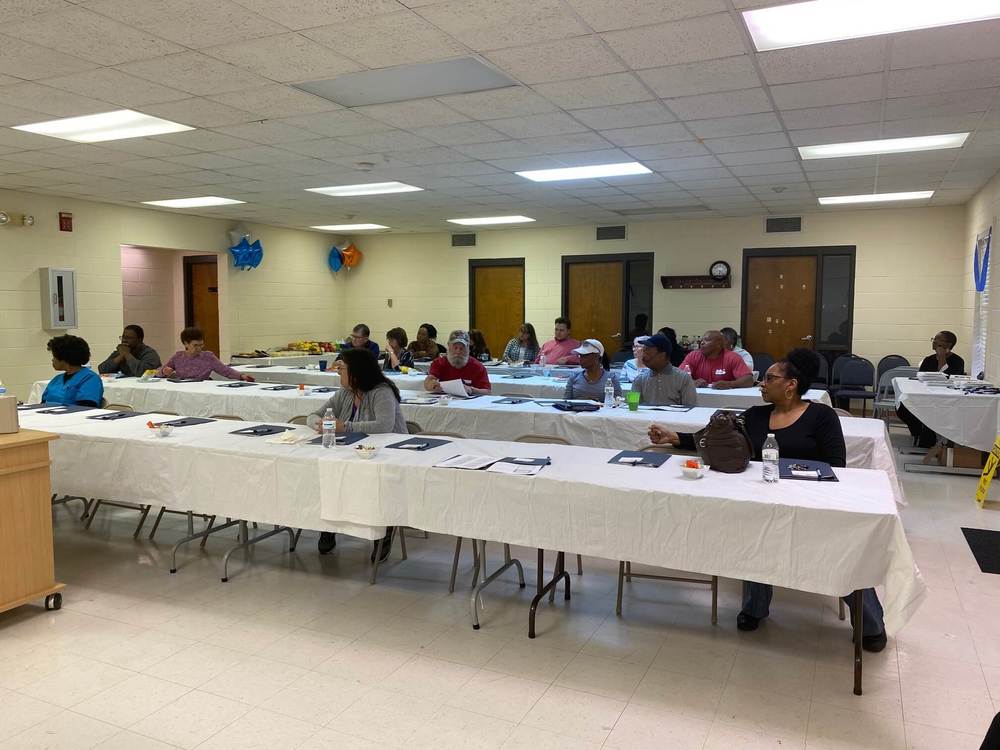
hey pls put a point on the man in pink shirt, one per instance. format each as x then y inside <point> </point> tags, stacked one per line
<point>715,366</point>
<point>559,349</point>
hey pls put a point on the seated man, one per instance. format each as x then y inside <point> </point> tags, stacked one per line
<point>660,383</point>
<point>632,367</point>
<point>458,365</point>
<point>359,339</point>
<point>132,357</point>
<point>559,349</point>
<point>715,366</point>
<point>732,344</point>
<point>942,360</point>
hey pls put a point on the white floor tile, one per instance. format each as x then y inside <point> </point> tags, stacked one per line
<point>644,728</point>
<point>727,737</point>
<point>363,663</point>
<point>432,679</point>
<point>316,697</point>
<point>764,712</point>
<point>600,676</point>
<point>499,695</point>
<point>453,728</point>
<point>191,719</point>
<point>253,680</point>
<point>836,728</point>
<point>129,701</point>
<point>923,737</point>
<point>64,731</point>
<point>530,660</point>
<point>583,715</point>
<point>328,739</point>
<point>525,737</point>
<point>196,664</point>
<point>938,706</point>
<point>19,712</point>
<point>679,694</point>
<point>261,730</point>
<point>127,740</point>
<point>385,717</point>
<point>76,682</point>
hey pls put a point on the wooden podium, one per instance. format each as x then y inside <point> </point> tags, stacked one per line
<point>27,566</point>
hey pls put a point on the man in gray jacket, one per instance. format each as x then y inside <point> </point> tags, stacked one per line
<point>660,383</point>
<point>132,357</point>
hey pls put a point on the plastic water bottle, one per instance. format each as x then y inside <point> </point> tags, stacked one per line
<point>609,393</point>
<point>329,429</point>
<point>541,361</point>
<point>769,455</point>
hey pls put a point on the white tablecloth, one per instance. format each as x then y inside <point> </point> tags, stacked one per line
<point>966,418</point>
<point>868,445</point>
<point>289,361</point>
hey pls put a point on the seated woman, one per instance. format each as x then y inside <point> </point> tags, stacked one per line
<point>590,382</point>
<point>76,385</point>
<point>524,347</point>
<point>804,430</point>
<point>942,360</point>
<point>194,362</point>
<point>396,353</point>
<point>632,367</point>
<point>425,346</point>
<point>478,349</point>
<point>366,402</point>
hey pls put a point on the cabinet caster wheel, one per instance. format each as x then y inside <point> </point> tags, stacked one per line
<point>225,580</point>
<point>53,601</point>
<point>522,585</point>
<point>475,627</point>
<point>173,570</point>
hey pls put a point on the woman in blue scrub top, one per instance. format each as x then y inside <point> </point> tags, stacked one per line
<point>76,384</point>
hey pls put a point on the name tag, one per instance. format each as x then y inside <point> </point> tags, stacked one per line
<point>720,372</point>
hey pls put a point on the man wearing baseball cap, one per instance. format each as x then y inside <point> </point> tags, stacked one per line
<point>662,384</point>
<point>590,382</point>
<point>458,365</point>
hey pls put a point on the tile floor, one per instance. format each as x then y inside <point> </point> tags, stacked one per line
<point>298,652</point>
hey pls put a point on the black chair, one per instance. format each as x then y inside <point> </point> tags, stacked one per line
<point>761,362</point>
<point>888,362</point>
<point>857,380</point>
<point>822,380</point>
<point>621,357</point>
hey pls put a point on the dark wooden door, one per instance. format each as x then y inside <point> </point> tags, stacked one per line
<point>204,291</point>
<point>497,303</point>
<point>780,304</point>
<point>594,302</point>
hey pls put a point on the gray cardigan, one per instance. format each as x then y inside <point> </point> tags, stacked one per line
<point>378,412</point>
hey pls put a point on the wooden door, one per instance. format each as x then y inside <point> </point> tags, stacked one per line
<point>204,291</point>
<point>594,302</point>
<point>780,304</point>
<point>497,303</point>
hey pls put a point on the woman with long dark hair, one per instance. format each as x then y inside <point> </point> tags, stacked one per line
<point>478,348</point>
<point>523,347</point>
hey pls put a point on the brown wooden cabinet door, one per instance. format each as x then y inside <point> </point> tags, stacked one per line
<point>498,304</point>
<point>594,303</point>
<point>205,302</point>
<point>780,304</point>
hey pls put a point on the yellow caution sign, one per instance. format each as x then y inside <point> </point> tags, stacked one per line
<point>992,461</point>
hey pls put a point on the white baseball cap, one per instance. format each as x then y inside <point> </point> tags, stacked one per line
<point>590,346</point>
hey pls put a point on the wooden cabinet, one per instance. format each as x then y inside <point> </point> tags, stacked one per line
<point>27,566</point>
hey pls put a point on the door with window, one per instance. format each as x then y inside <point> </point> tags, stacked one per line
<point>201,297</point>
<point>496,300</point>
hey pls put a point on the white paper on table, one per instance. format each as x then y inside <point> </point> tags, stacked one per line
<point>506,467</point>
<point>454,388</point>
<point>466,461</point>
<point>290,438</point>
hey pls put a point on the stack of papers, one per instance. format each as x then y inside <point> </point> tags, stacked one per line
<point>466,461</point>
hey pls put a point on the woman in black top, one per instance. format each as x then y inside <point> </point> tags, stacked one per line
<point>804,430</point>
<point>942,360</point>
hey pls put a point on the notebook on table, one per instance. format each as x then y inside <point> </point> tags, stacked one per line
<point>347,438</point>
<point>236,384</point>
<point>111,416</point>
<point>798,468</point>
<point>262,429</point>
<point>419,444</point>
<point>640,458</point>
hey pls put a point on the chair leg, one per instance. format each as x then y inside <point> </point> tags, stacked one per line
<point>142,520</point>
<point>579,565</point>
<point>840,608</point>
<point>156,523</point>
<point>402,541</point>
<point>94,505</point>
<point>715,600</point>
<point>454,564</point>
<point>628,571</point>
<point>621,584</point>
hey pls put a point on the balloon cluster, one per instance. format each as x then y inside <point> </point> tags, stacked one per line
<point>349,257</point>
<point>247,255</point>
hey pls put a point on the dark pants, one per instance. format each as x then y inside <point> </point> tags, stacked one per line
<point>757,603</point>
<point>992,739</point>
<point>926,438</point>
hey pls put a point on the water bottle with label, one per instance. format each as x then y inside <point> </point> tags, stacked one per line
<point>769,455</point>
<point>541,361</point>
<point>609,393</point>
<point>329,429</point>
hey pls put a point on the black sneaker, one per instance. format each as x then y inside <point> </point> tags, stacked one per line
<point>327,541</point>
<point>747,622</point>
<point>874,643</point>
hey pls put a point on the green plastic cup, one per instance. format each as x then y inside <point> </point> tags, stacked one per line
<point>632,398</point>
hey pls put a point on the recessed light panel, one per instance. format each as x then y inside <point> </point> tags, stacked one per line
<point>349,227</point>
<point>819,21</point>
<point>202,202</point>
<point>594,171</point>
<point>886,146</point>
<point>480,220</point>
<point>370,188</point>
<point>839,200</point>
<point>106,126</point>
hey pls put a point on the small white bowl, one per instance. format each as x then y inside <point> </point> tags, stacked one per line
<point>366,451</point>
<point>163,430</point>
<point>691,473</point>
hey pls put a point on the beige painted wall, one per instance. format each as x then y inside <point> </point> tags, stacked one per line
<point>910,276</point>
<point>983,211</point>
<point>149,280</point>
<point>292,295</point>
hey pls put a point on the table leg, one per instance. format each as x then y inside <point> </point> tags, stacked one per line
<point>558,574</point>
<point>245,542</point>
<point>487,579</point>
<point>192,537</point>
<point>858,635</point>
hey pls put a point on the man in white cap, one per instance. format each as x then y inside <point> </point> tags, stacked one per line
<point>590,382</point>
<point>458,365</point>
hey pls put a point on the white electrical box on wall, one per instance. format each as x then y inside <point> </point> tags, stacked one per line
<point>58,298</point>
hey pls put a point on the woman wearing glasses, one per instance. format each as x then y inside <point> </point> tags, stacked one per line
<point>804,430</point>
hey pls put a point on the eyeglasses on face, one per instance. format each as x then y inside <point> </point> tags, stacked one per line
<point>769,378</point>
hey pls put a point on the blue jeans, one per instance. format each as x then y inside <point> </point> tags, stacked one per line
<point>757,603</point>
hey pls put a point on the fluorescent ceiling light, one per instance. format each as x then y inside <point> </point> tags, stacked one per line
<point>202,202</point>
<point>838,200</point>
<point>370,188</point>
<point>585,173</point>
<point>349,227</point>
<point>478,220</point>
<point>885,146</point>
<point>106,126</point>
<point>820,21</point>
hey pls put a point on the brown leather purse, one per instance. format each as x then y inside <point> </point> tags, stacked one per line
<point>724,444</point>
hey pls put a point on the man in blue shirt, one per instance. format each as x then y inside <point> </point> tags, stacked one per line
<point>76,385</point>
<point>359,339</point>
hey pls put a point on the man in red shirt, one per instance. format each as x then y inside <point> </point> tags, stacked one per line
<point>715,366</point>
<point>458,365</point>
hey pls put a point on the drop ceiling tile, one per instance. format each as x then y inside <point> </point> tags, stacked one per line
<point>275,100</point>
<point>948,44</point>
<point>693,184</point>
<point>521,164</point>
<point>268,132</point>
<point>702,38</point>
<point>18,10</point>
<point>16,116</point>
<point>684,164</point>
<point>931,125</point>
<point>838,114</point>
<point>8,80</point>
<point>503,178</point>
<point>148,147</point>
<point>390,140</point>
<point>826,92</point>
<point>304,14</point>
<point>498,150</point>
<point>840,134</point>
<point>28,161</point>
<point>113,86</point>
<point>930,105</point>
<point>195,73</point>
<point>487,25</point>
<point>338,123</point>
<point>624,115</point>
<point>433,155</point>
<point>38,98</point>
<point>206,161</point>
<point>601,15</point>
<point>260,155</point>
<point>204,140</point>
<point>704,77</point>
<point>560,60</point>
<point>747,143</point>
<point>841,166</point>
<point>705,106</point>
<point>155,166</point>
<point>570,143</point>
<point>460,133</point>
<point>648,134</point>
<point>514,101</point>
<point>532,126</point>
<point>761,156</point>
<point>944,78</point>
<point>285,58</point>
<point>200,113</point>
<point>31,62</point>
<point>602,156</point>
<point>418,113</point>
<point>751,170</point>
<point>720,127</point>
<point>78,32</point>
<point>258,172</point>
<point>696,176</point>
<point>817,61</point>
<point>192,23</point>
<point>615,88</point>
<point>675,150</point>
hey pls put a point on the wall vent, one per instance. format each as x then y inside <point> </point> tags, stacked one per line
<point>463,240</point>
<point>612,233</point>
<point>783,224</point>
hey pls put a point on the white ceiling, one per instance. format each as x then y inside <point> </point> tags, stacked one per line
<point>675,85</point>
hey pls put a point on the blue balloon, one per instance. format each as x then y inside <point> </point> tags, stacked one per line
<point>336,259</point>
<point>246,255</point>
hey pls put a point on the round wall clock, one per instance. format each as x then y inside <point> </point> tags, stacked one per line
<point>719,270</point>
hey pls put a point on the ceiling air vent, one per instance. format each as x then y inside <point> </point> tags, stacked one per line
<point>612,233</point>
<point>463,240</point>
<point>783,224</point>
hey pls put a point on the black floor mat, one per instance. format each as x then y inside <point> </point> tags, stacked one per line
<point>985,545</point>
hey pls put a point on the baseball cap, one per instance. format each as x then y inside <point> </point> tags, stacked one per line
<point>590,346</point>
<point>659,341</point>
<point>640,340</point>
<point>458,337</point>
